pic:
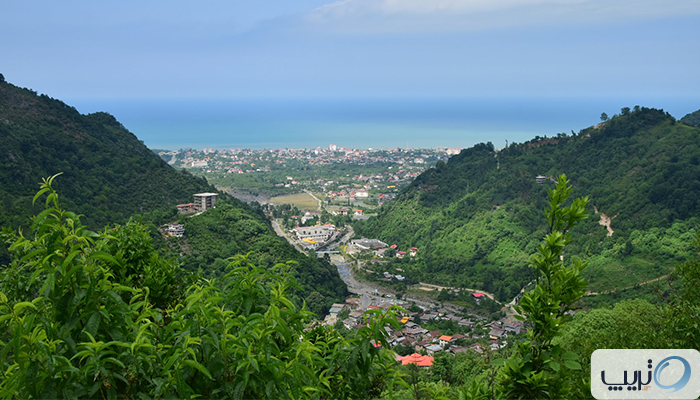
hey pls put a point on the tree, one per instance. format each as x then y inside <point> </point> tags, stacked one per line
<point>604,117</point>
<point>625,110</point>
<point>70,328</point>
<point>535,369</point>
<point>2,78</point>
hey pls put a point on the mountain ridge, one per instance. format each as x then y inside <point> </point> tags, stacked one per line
<point>110,176</point>
<point>475,219</point>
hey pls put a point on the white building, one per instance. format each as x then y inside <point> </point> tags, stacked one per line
<point>176,230</point>
<point>316,233</point>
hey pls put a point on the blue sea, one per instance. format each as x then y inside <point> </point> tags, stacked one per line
<point>361,122</point>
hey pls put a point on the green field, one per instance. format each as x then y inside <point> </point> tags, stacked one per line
<point>302,201</point>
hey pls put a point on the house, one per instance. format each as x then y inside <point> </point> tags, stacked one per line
<point>415,358</point>
<point>185,208</point>
<point>497,332</point>
<point>358,213</point>
<point>400,254</point>
<point>444,340</point>
<point>416,331</point>
<point>514,328</point>
<point>307,216</point>
<point>540,179</point>
<point>434,335</point>
<point>368,244</point>
<point>456,337</point>
<point>433,348</point>
<point>478,297</point>
<point>362,193</point>
<point>413,251</point>
<point>176,230</point>
<point>495,345</point>
<point>349,323</point>
<point>466,322</point>
<point>477,347</point>
<point>344,211</point>
<point>353,302</point>
<point>204,201</point>
<point>423,344</point>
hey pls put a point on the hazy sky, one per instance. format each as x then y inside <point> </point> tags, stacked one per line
<point>186,49</point>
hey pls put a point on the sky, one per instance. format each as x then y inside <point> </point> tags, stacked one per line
<point>157,49</point>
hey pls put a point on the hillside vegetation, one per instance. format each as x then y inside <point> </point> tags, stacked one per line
<point>692,119</point>
<point>108,173</point>
<point>111,176</point>
<point>475,218</point>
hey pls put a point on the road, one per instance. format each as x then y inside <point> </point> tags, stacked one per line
<point>320,203</point>
<point>281,233</point>
<point>372,294</point>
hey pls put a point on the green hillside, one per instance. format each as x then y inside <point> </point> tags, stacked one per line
<point>110,175</point>
<point>692,119</point>
<point>475,219</point>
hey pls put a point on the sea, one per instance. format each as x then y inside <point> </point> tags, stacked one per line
<point>362,123</point>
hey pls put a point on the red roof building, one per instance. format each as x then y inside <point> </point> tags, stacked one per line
<point>415,358</point>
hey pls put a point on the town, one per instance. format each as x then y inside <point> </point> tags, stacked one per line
<point>334,169</point>
<point>429,324</point>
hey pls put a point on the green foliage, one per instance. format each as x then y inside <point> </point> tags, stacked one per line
<point>476,218</point>
<point>111,176</point>
<point>681,314</point>
<point>227,230</point>
<point>139,265</point>
<point>539,368</point>
<point>74,326</point>
<point>692,119</point>
<point>108,173</point>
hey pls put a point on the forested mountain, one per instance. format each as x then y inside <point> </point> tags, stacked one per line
<point>692,119</point>
<point>110,175</point>
<point>475,219</point>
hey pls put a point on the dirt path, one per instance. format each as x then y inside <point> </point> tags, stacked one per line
<point>320,202</point>
<point>605,221</point>
<point>629,287</point>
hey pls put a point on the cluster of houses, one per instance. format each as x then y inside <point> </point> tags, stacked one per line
<point>202,202</point>
<point>347,211</point>
<point>401,254</point>
<point>379,248</point>
<point>483,335</point>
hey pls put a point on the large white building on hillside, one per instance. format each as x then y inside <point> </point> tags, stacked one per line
<point>204,201</point>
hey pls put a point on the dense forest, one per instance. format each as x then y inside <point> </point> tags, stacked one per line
<point>692,119</point>
<point>475,219</point>
<point>112,177</point>
<point>108,173</point>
